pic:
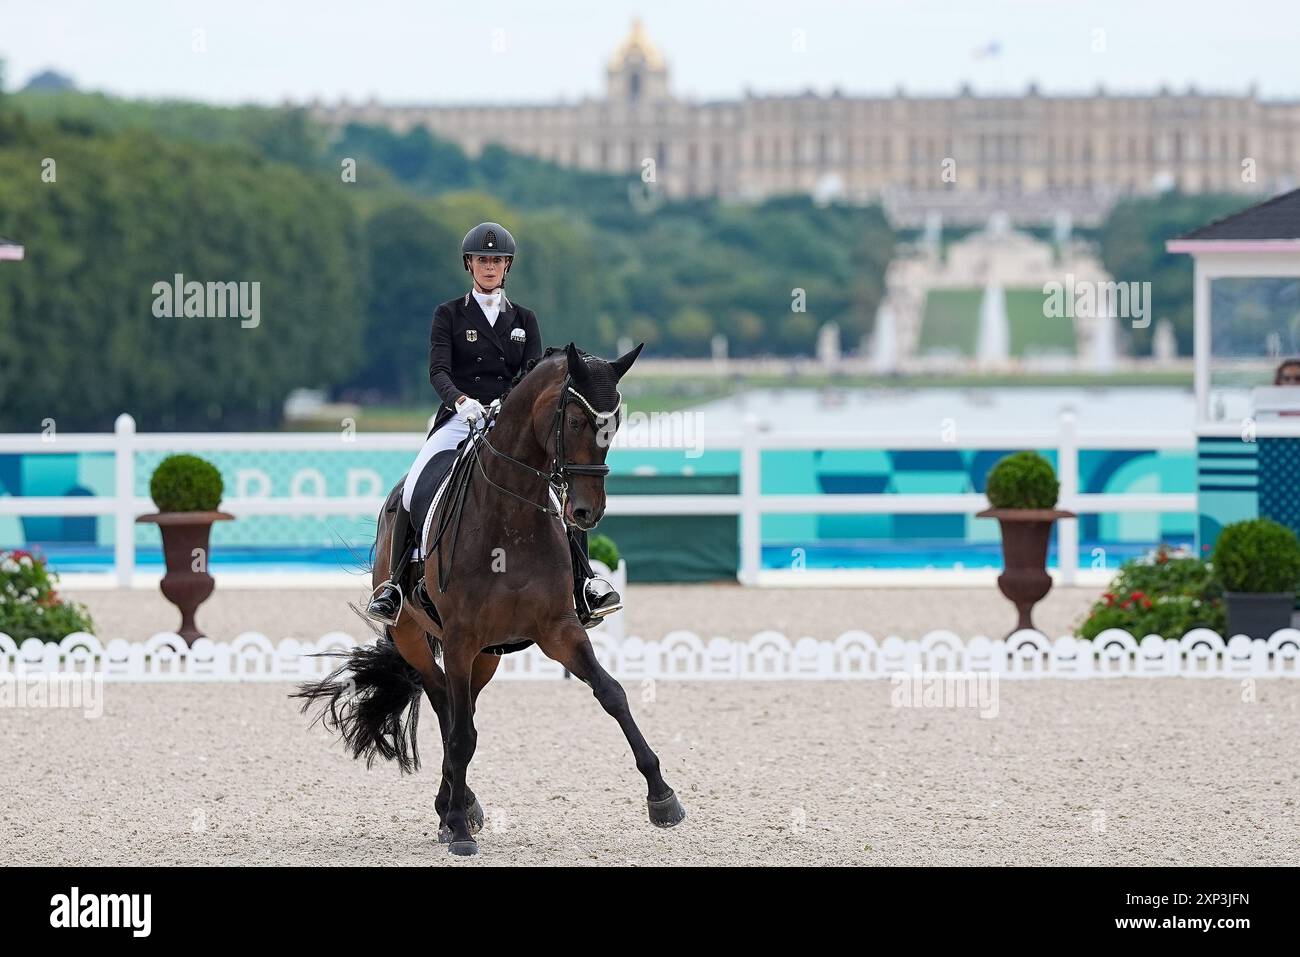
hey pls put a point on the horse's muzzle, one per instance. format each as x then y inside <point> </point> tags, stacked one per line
<point>582,516</point>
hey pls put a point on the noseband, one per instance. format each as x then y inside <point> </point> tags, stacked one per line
<point>561,469</point>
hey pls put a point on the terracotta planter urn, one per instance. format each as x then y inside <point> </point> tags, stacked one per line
<point>187,584</point>
<point>1025,535</point>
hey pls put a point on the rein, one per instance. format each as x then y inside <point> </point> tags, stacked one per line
<point>561,470</point>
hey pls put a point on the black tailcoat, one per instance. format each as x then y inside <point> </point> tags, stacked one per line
<point>470,356</point>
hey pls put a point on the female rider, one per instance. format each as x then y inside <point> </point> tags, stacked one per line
<point>478,344</point>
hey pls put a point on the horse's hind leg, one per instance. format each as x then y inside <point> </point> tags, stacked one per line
<point>570,646</point>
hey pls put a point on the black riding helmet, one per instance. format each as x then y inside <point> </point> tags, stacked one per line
<point>488,239</point>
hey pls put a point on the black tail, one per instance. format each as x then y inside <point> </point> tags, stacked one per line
<point>373,701</point>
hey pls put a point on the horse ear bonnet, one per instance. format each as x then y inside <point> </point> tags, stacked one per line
<point>601,385</point>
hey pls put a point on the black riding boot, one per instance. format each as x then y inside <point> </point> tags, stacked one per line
<point>386,603</point>
<point>592,604</point>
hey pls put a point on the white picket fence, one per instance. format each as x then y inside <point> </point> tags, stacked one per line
<point>683,655</point>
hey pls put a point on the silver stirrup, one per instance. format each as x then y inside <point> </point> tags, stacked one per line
<point>401,603</point>
<point>599,613</point>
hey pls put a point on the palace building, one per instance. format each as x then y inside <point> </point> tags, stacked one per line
<point>1033,156</point>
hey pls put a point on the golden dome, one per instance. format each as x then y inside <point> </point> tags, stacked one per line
<point>637,42</point>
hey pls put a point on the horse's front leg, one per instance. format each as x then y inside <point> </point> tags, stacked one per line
<point>462,739</point>
<point>485,666</point>
<point>415,646</point>
<point>570,646</point>
<point>439,698</point>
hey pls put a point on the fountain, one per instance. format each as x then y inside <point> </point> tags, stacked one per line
<point>828,345</point>
<point>1164,347</point>
<point>884,341</point>
<point>932,238</point>
<point>1104,340</point>
<point>994,343</point>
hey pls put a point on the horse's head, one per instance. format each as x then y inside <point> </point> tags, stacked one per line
<point>574,419</point>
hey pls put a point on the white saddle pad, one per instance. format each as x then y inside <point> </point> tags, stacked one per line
<point>426,532</point>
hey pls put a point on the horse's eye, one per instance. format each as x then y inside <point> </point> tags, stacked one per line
<point>575,424</point>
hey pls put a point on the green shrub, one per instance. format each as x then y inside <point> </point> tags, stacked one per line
<point>1165,593</point>
<point>30,606</point>
<point>1257,556</point>
<point>185,483</point>
<point>601,548</point>
<point>1022,480</point>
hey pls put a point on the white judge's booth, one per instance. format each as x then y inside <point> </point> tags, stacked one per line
<point>1246,314</point>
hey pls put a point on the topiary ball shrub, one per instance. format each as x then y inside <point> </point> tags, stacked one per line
<point>601,548</point>
<point>1022,480</point>
<point>186,483</point>
<point>1257,556</point>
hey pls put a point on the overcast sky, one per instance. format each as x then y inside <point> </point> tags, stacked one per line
<point>408,51</point>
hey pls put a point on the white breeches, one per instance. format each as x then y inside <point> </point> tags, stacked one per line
<point>447,437</point>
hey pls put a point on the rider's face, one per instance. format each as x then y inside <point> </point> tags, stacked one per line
<point>488,271</point>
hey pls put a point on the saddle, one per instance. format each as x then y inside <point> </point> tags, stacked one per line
<point>429,488</point>
<point>446,476</point>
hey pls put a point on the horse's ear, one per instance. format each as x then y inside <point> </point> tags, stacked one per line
<point>624,362</point>
<point>577,368</point>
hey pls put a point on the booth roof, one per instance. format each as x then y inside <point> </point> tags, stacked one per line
<point>1277,218</point>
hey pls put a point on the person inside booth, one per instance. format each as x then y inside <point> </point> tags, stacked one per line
<point>1288,373</point>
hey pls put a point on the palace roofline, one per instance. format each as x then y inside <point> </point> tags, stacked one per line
<point>1032,93</point>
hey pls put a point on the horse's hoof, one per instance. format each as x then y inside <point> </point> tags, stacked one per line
<point>475,823</point>
<point>463,848</point>
<point>667,812</point>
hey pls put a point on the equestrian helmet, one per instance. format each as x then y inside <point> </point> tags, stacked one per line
<point>487,239</point>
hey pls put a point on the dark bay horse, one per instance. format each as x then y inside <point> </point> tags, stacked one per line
<point>511,581</point>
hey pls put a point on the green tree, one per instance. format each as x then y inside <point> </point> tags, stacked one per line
<point>414,265</point>
<point>1132,244</point>
<point>81,341</point>
<point>691,328</point>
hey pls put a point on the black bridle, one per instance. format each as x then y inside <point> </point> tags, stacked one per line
<point>557,479</point>
<point>561,470</point>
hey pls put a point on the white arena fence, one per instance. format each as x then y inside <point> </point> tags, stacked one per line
<point>683,655</point>
<point>749,505</point>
